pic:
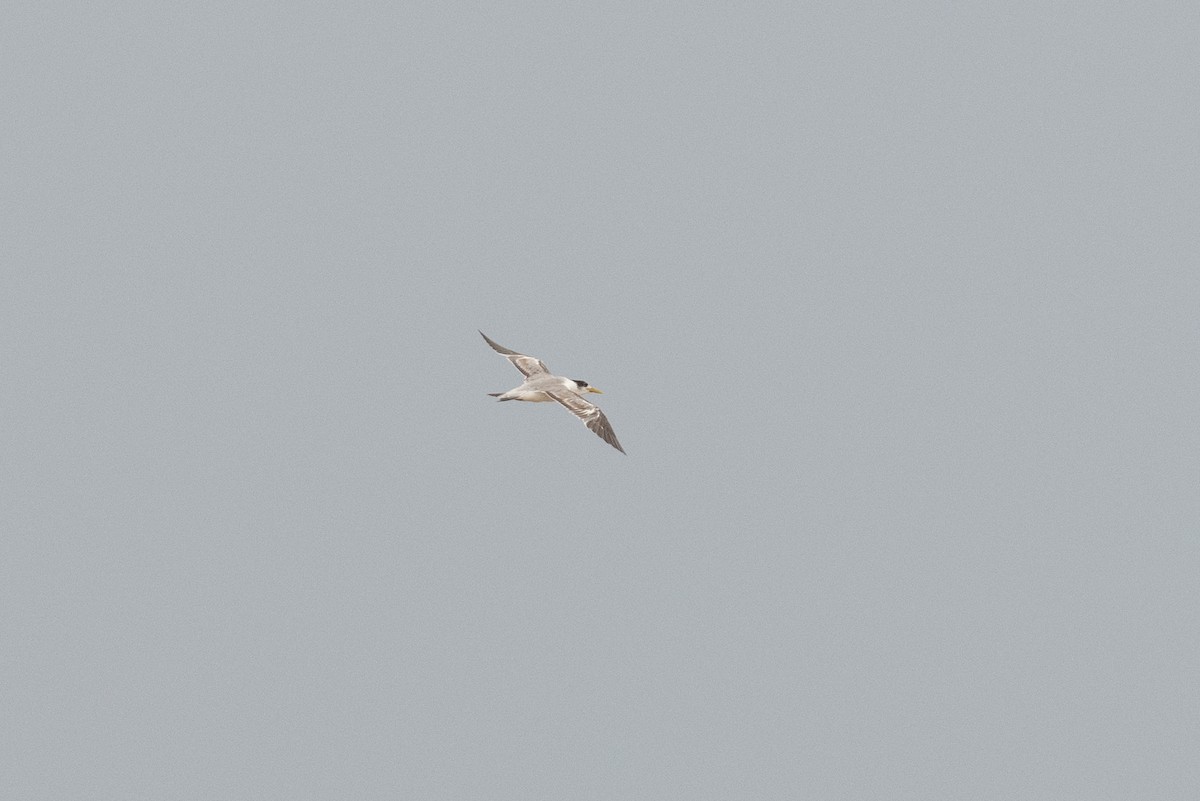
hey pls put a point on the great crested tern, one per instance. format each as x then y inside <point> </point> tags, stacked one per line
<point>541,386</point>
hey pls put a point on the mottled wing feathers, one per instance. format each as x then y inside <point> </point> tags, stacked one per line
<point>590,414</point>
<point>526,364</point>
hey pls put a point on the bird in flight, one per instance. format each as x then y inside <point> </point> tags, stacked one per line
<point>540,386</point>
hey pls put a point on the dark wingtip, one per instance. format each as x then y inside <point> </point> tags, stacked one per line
<point>488,340</point>
<point>496,346</point>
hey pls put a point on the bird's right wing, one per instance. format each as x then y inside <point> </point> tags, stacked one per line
<point>528,365</point>
<point>590,414</point>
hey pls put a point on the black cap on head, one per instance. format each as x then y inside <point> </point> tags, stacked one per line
<point>581,384</point>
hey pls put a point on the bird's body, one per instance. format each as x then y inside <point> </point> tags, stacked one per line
<point>536,389</point>
<point>540,386</point>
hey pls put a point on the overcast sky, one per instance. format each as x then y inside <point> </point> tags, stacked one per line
<point>895,311</point>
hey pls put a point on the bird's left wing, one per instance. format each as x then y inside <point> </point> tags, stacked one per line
<point>528,365</point>
<point>590,414</point>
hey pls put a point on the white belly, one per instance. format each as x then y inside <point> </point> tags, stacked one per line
<point>527,395</point>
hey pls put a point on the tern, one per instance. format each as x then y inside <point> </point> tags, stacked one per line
<point>541,386</point>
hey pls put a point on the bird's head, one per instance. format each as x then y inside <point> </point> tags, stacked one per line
<point>586,387</point>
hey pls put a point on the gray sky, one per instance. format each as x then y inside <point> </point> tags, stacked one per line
<point>895,309</point>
